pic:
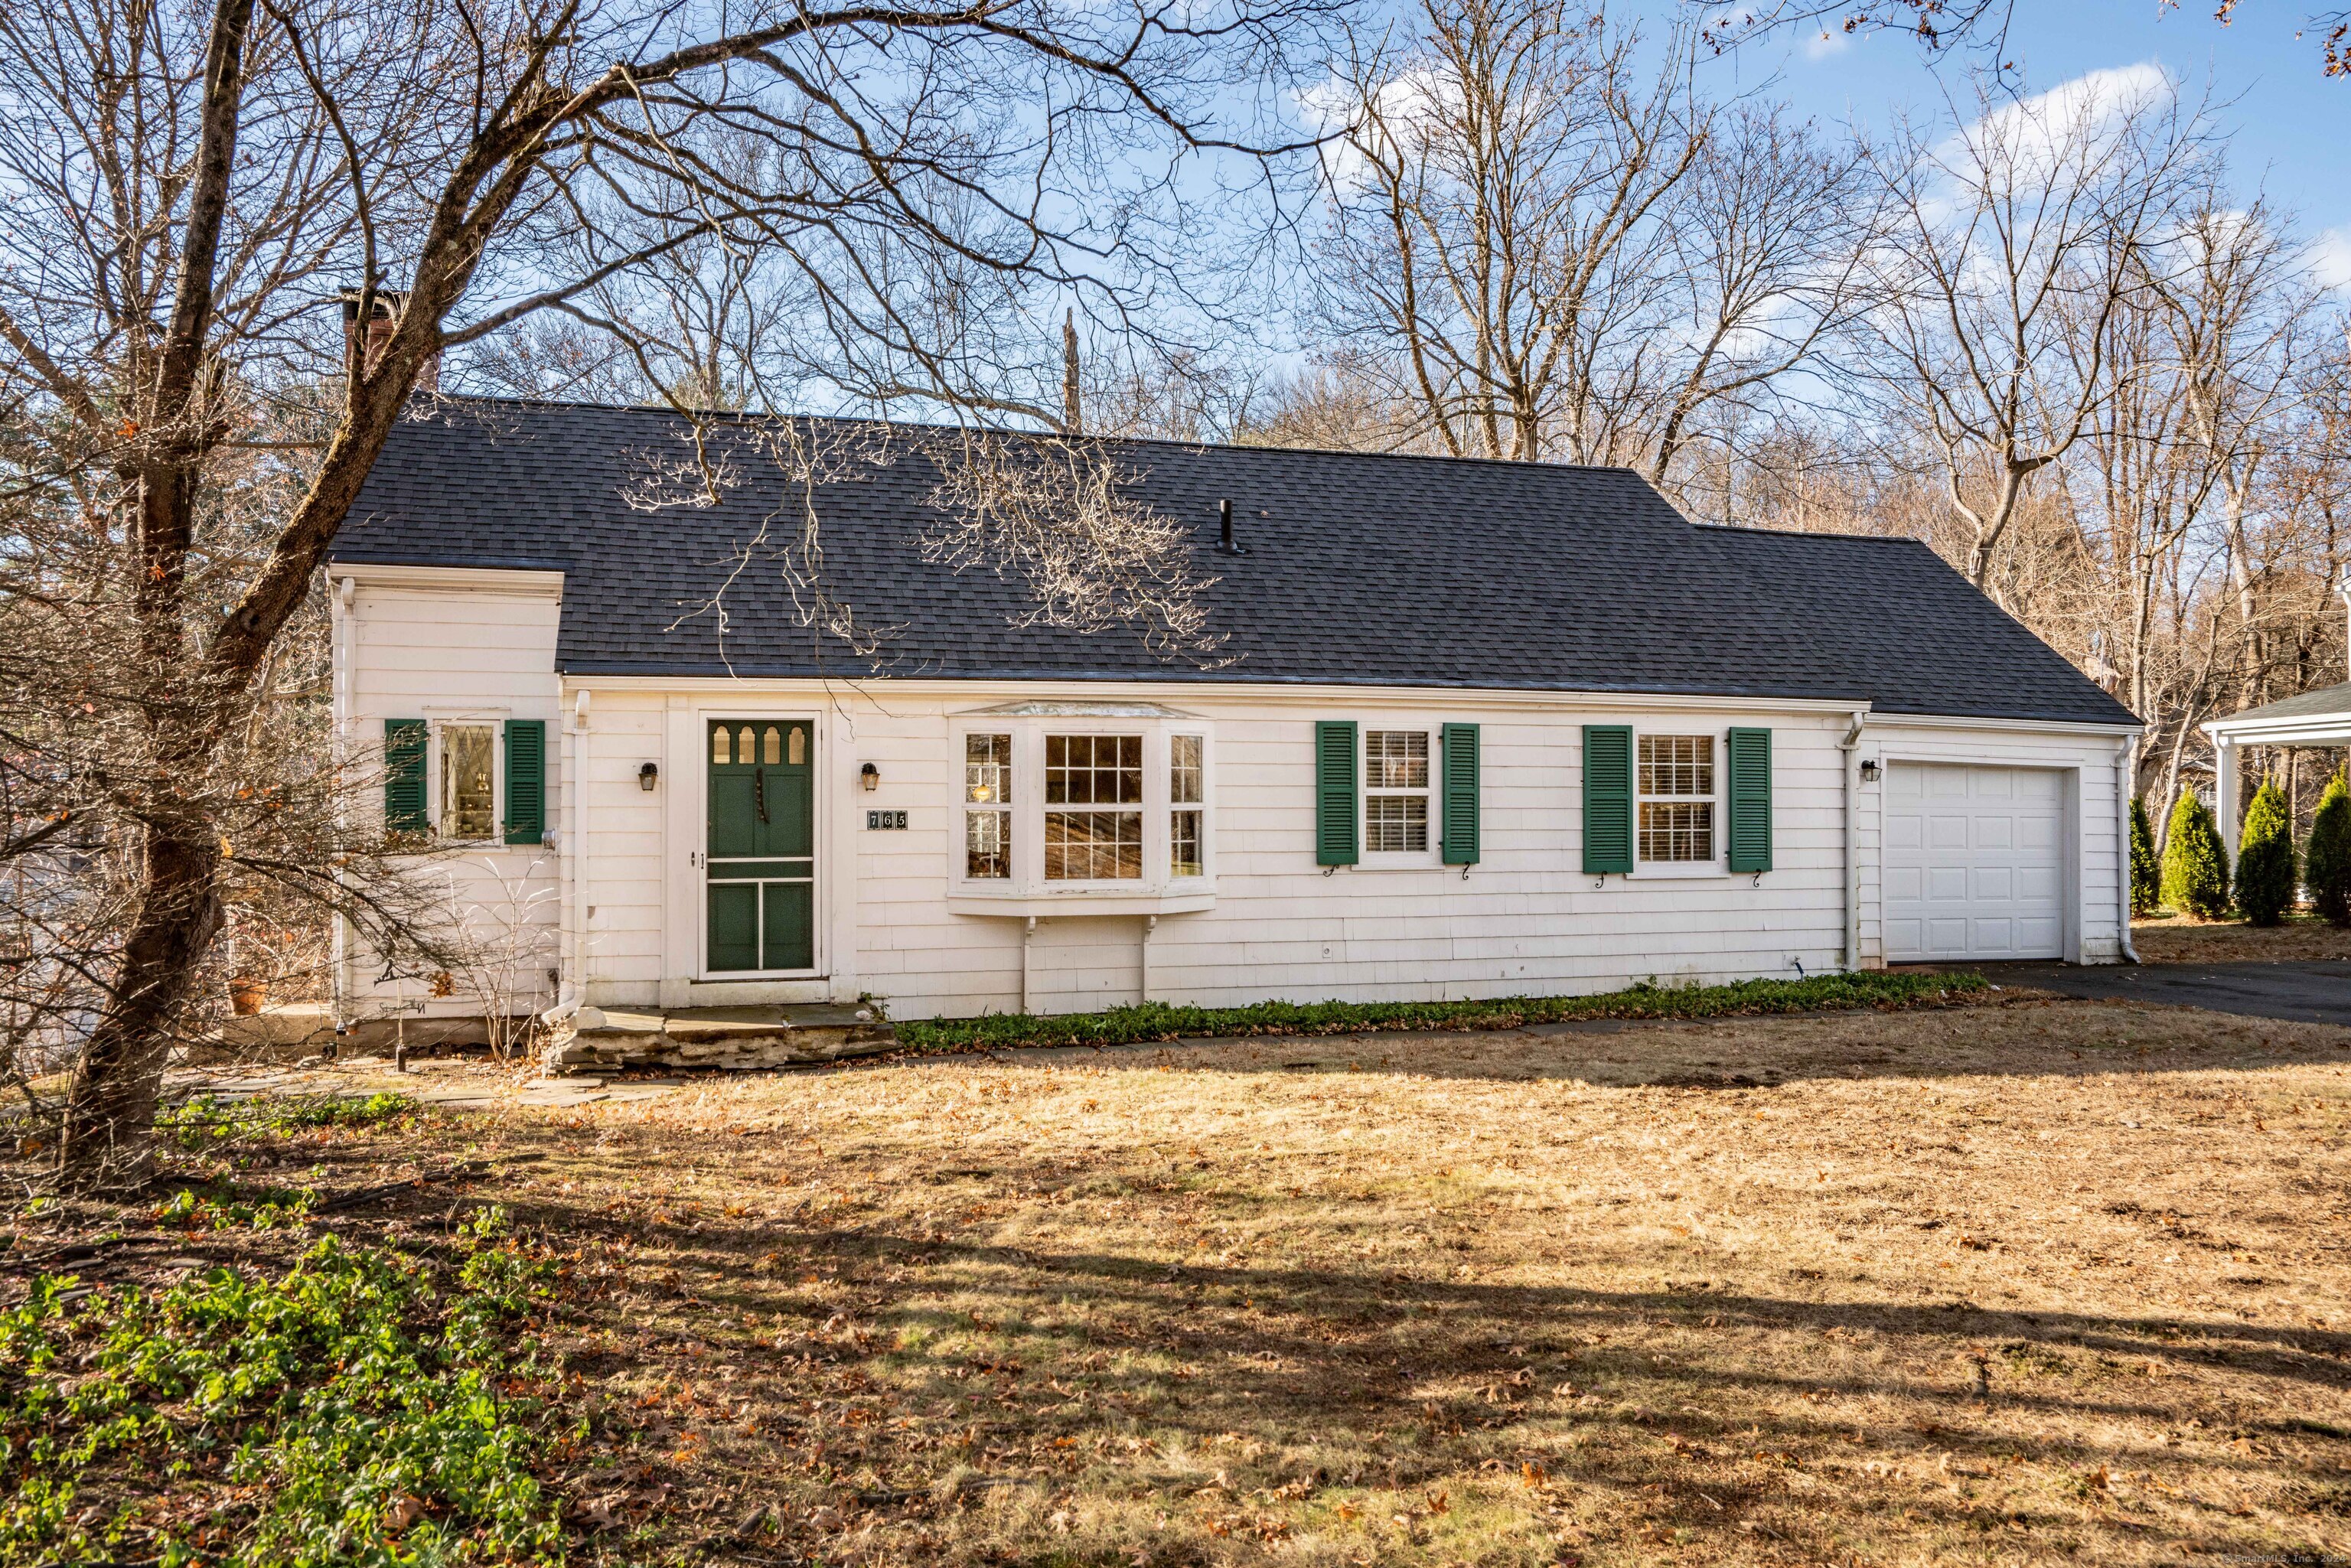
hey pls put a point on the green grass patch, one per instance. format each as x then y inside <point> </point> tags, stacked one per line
<point>366,1407</point>
<point>208,1119</point>
<point>1159,1021</point>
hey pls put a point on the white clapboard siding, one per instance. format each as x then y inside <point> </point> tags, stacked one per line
<point>452,655</point>
<point>1525,919</point>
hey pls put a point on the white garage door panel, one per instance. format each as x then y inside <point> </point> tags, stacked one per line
<point>1974,862</point>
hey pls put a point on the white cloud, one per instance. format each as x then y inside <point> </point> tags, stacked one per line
<point>2091,105</point>
<point>1827,42</point>
<point>1415,103</point>
<point>2330,259</point>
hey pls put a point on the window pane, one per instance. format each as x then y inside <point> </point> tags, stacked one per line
<point>1396,823</point>
<point>718,746</point>
<point>743,752</point>
<point>1184,844</point>
<point>466,798</point>
<point>1672,830</point>
<point>1183,779</point>
<point>1094,846</point>
<point>987,769</point>
<point>772,752</point>
<point>988,844</point>
<point>1094,769</point>
<point>1395,759</point>
<point>1677,765</point>
<point>796,750</point>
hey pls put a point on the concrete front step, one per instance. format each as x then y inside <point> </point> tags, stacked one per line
<point>738,1037</point>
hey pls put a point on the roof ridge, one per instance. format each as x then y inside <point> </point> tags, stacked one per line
<point>1809,534</point>
<point>746,415</point>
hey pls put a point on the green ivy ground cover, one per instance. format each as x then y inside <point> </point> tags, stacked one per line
<point>367,1407</point>
<point>1159,1021</point>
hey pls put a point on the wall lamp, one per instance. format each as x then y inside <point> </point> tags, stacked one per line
<point>1869,769</point>
<point>869,776</point>
<point>648,773</point>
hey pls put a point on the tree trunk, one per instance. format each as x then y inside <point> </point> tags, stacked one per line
<point>112,1103</point>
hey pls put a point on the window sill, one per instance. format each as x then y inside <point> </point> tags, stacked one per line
<point>1672,871</point>
<point>1083,901</point>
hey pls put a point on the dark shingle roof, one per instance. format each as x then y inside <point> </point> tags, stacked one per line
<point>1358,570</point>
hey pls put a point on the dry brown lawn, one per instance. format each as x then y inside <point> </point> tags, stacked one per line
<point>2176,940</point>
<point>2030,1282</point>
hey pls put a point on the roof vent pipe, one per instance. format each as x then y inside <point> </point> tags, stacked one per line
<point>1224,518</point>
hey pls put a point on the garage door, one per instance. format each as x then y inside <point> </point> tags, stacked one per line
<point>1974,862</point>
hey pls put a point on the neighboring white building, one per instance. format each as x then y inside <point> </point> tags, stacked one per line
<point>1476,730</point>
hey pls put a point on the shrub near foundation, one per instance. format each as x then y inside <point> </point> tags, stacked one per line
<point>2194,867</point>
<point>2266,872</point>
<point>2328,868</point>
<point>2146,866</point>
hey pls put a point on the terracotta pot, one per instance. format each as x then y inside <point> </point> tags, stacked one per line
<point>247,997</point>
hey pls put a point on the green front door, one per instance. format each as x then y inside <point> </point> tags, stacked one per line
<point>762,845</point>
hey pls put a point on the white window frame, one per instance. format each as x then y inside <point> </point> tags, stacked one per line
<point>1433,854</point>
<point>1665,871</point>
<point>1027,884</point>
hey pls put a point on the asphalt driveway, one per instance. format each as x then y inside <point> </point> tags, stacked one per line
<point>2316,992</point>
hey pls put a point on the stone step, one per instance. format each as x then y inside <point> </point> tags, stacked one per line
<point>738,1037</point>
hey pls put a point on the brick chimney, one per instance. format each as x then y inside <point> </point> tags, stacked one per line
<point>385,320</point>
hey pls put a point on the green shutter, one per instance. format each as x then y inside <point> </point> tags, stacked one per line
<point>404,775</point>
<point>525,780</point>
<point>1749,756</point>
<point>1607,798</point>
<point>1458,744</point>
<point>1334,792</point>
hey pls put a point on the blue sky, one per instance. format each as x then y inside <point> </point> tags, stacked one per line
<point>2289,121</point>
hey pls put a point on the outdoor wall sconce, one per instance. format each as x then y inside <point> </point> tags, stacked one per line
<point>869,776</point>
<point>1869,769</point>
<point>647,773</point>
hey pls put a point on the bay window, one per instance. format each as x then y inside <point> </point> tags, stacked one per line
<point>1107,805</point>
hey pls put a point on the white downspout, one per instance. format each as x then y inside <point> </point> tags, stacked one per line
<point>1851,746</point>
<point>1028,932</point>
<point>1150,925</point>
<point>2125,776</point>
<point>573,862</point>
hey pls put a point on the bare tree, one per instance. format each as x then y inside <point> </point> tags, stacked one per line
<point>2014,243</point>
<point>1555,247</point>
<point>1770,237</point>
<point>188,185</point>
<point>1495,198</point>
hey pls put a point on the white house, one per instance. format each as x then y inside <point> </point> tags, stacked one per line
<point>1474,729</point>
